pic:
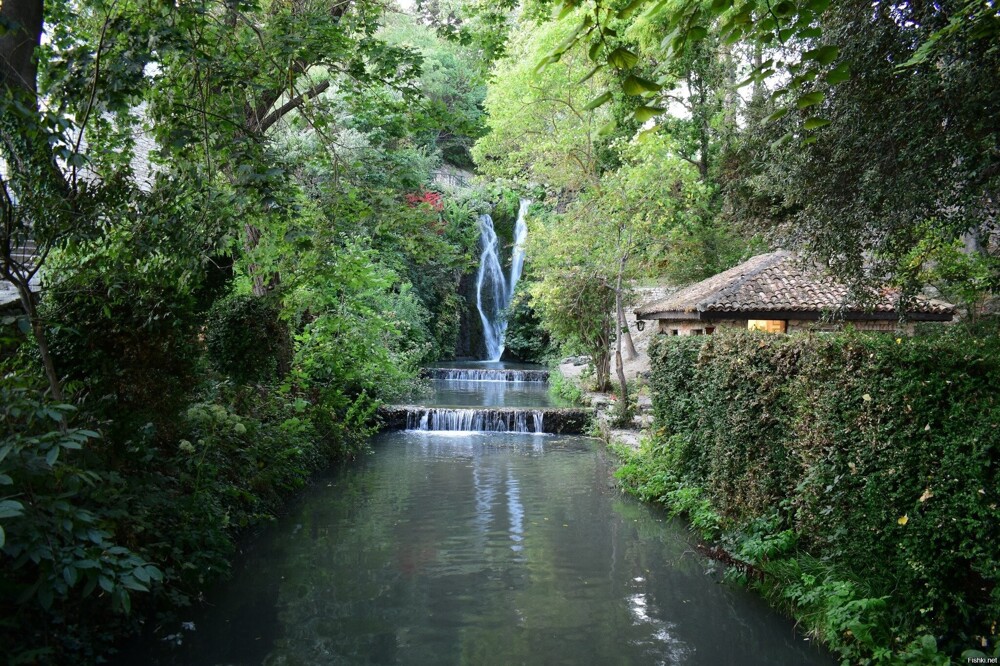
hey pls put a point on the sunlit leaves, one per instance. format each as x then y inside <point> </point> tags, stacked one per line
<point>644,113</point>
<point>600,100</point>
<point>810,99</point>
<point>636,85</point>
<point>824,55</point>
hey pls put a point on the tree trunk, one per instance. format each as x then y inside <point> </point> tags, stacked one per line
<point>619,366</point>
<point>623,329</point>
<point>38,331</point>
<point>18,67</point>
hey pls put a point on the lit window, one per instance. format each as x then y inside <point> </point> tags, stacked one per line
<point>767,325</point>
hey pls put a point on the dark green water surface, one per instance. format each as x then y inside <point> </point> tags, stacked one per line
<point>468,548</point>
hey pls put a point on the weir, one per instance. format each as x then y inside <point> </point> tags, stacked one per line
<point>554,420</point>
<point>476,420</point>
<point>485,374</point>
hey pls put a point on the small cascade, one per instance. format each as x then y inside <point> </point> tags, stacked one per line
<point>493,291</point>
<point>476,420</point>
<point>485,374</point>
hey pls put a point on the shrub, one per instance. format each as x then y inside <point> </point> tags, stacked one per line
<point>245,338</point>
<point>880,454</point>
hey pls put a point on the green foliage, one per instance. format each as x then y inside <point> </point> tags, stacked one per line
<point>877,452</point>
<point>903,155</point>
<point>564,389</point>
<point>525,337</point>
<point>540,127</point>
<point>57,537</point>
<point>648,475</point>
<point>245,340</point>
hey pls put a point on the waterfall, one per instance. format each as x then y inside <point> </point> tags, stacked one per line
<point>520,238</point>
<point>493,291</point>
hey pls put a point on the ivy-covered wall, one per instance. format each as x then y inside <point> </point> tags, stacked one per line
<point>879,454</point>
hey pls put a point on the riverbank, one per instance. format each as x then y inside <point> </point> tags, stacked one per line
<point>846,478</point>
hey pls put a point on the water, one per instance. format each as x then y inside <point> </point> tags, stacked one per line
<point>477,420</point>
<point>520,242</point>
<point>477,548</point>
<point>486,374</point>
<point>459,393</point>
<point>493,291</point>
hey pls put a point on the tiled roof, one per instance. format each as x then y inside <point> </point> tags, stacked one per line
<point>778,282</point>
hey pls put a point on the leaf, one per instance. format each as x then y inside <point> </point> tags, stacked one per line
<point>567,9</point>
<point>630,8</point>
<point>105,583</point>
<point>6,480</point>
<point>546,61</point>
<point>600,100</point>
<point>809,140</point>
<point>644,113</point>
<point>622,58</point>
<point>839,74</point>
<point>3,536</point>
<point>719,6</point>
<point>594,51</point>
<point>810,99</point>
<point>928,493</point>
<point>903,519</point>
<point>697,33</point>
<point>815,122</point>
<point>636,85</point>
<point>824,55</point>
<point>590,74</point>
<point>818,6</point>
<point>782,140</point>
<point>11,508</point>
<point>777,115</point>
<point>52,456</point>
<point>866,397</point>
<point>70,575</point>
<point>607,128</point>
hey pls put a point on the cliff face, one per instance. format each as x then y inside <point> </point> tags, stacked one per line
<point>470,337</point>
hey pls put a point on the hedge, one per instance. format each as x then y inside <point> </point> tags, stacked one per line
<point>880,454</point>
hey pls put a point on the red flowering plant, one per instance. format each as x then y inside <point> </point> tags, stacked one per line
<point>432,199</point>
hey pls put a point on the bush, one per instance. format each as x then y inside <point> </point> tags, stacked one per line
<point>525,338</point>
<point>246,340</point>
<point>879,453</point>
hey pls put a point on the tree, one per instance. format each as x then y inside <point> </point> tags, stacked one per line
<point>586,260</point>
<point>906,146</point>
<point>543,126</point>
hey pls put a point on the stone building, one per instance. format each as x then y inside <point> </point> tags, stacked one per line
<point>778,293</point>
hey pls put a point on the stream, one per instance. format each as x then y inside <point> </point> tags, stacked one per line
<point>478,548</point>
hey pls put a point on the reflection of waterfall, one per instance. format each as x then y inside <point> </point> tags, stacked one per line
<point>493,291</point>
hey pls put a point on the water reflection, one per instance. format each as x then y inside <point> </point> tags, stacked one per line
<point>465,393</point>
<point>480,549</point>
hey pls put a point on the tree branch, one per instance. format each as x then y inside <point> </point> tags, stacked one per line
<point>293,103</point>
